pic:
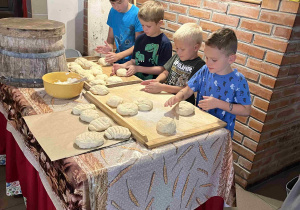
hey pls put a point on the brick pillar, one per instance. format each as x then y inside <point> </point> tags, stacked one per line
<point>269,57</point>
<point>85,28</point>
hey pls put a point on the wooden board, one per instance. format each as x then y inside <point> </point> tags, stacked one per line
<point>143,125</point>
<point>107,70</point>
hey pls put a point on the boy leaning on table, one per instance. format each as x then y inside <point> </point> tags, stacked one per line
<point>221,90</point>
<point>183,64</point>
<point>151,49</point>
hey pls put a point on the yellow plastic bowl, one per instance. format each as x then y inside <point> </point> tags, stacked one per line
<point>63,91</point>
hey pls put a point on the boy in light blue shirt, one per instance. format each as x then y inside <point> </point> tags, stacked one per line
<point>221,90</point>
<point>124,27</point>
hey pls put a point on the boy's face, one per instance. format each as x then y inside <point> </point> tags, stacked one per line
<point>186,49</point>
<point>151,29</point>
<point>217,61</point>
<point>121,5</point>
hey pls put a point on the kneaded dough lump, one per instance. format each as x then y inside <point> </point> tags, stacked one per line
<point>99,90</point>
<point>144,104</point>
<point>81,107</point>
<point>100,124</point>
<point>117,132</point>
<point>88,140</point>
<point>114,80</point>
<point>114,101</point>
<point>121,72</point>
<point>166,126</point>
<point>102,62</point>
<point>89,115</point>
<point>127,109</point>
<point>185,108</point>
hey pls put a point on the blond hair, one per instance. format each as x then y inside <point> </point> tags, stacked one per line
<point>151,11</point>
<point>189,31</point>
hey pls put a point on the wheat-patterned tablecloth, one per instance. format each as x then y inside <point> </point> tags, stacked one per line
<point>181,175</point>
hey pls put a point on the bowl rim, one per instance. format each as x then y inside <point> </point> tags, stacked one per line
<point>59,72</point>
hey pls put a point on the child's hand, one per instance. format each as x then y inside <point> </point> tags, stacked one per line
<point>147,82</point>
<point>114,68</point>
<point>153,87</point>
<point>111,57</point>
<point>104,49</point>
<point>173,100</point>
<point>132,69</point>
<point>208,103</point>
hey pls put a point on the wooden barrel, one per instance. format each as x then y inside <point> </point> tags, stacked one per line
<point>30,48</point>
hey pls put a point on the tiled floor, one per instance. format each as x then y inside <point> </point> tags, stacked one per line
<point>268,195</point>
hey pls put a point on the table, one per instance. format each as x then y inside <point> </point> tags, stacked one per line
<point>128,176</point>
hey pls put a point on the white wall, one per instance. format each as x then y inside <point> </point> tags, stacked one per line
<point>70,13</point>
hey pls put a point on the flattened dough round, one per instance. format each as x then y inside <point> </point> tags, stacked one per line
<point>127,109</point>
<point>89,115</point>
<point>166,126</point>
<point>88,140</point>
<point>99,90</point>
<point>114,101</point>
<point>81,107</point>
<point>185,108</point>
<point>100,124</point>
<point>144,104</point>
<point>121,72</point>
<point>117,132</point>
<point>114,80</point>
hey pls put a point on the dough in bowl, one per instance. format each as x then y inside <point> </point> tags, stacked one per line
<point>144,104</point>
<point>100,124</point>
<point>127,109</point>
<point>88,140</point>
<point>114,80</point>
<point>185,108</point>
<point>114,101</point>
<point>99,90</point>
<point>117,132</point>
<point>166,126</point>
<point>121,72</point>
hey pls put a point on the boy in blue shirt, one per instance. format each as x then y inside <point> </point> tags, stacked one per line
<point>124,27</point>
<point>183,64</point>
<point>221,90</point>
<point>151,49</point>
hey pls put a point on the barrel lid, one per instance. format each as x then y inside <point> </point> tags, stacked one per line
<point>31,28</point>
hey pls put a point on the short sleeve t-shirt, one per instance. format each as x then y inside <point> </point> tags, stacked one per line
<point>232,88</point>
<point>181,71</point>
<point>124,26</point>
<point>151,51</point>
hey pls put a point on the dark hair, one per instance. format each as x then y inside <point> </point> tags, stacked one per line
<point>224,39</point>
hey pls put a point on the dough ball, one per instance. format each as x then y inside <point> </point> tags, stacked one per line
<point>102,62</point>
<point>100,124</point>
<point>81,61</point>
<point>185,108</point>
<point>121,72</point>
<point>117,132</point>
<point>166,126</point>
<point>89,115</point>
<point>127,109</point>
<point>102,76</point>
<point>99,90</point>
<point>144,104</point>
<point>114,101</point>
<point>88,140</point>
<point>97,82</point>
<point>81,107</point>
<point>114,80</point>
<point>71,64</point>
<point>96,70</point>
<point>76,69</point>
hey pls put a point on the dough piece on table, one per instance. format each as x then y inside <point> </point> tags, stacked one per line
<point>90,77</point>
<point>117,132</point>
<point>99,90</point>
<point>185,108</point>
<point>114,80</point>
<point>89,64</point>
<point>127,109</point>
<point>88,140</point>
<point>97,82</point>
<point>81,107</point>
<point>121,72</point>
<point>76,69</point>
<point>100,124</point>
<point>96,72</point>
<point>71,64</point>
<point>89,115</point>
<point>114,101</point>
<point>102,76</point>
<point>81,61</point>
<point>102,62</point>
<point>144,104</point>
<point>166,126</point>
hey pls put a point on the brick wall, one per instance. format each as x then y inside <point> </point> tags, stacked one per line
<point>269,56</point>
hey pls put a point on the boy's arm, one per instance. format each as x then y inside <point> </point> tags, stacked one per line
<point>209,102</point>
<point>156,70</point>
<point>183,94</point>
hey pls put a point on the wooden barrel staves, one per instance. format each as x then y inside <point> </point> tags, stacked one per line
<point>30,48</point>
